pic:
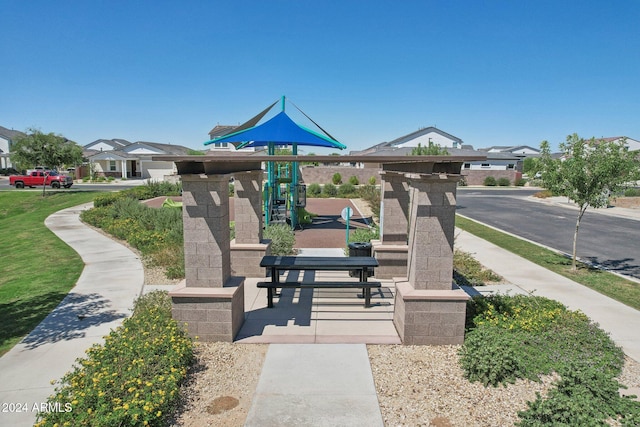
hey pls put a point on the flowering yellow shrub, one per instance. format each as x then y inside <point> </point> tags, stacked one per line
<point>522,313</point>
<point>133,378</point>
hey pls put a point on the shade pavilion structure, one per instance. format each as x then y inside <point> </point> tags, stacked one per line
<point>279,131</point>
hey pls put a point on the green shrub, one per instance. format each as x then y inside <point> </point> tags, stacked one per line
<point>232,189</point>
<point>336,179</point>
<point>521,312</point>
<point>632,192</point>
<point>329,190</point>
<point>133,378</point>
<point>9,171</point>
<point>282,239</point>
<point>353,180</point>
<point>153,189</point>
<point>520,182</point>
<point>469,272</point>
<point>583,397</point>
<point>490,181</point>
<point>522,336</point>
<point>372,180</point>
<point>503,182</point>
<point>346,190</point>
<point>364,234</point>
<point>314,190</point>
<point>371,194</point>
<point>105,199</point>
<point>491,356</point>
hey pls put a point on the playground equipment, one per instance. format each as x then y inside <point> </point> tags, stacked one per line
<point>283,192</point>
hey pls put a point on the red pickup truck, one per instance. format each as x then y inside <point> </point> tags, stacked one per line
<point>41,177</point>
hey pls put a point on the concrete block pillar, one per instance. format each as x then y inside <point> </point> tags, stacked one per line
<point>248,248</point>
<point>429,310</point>
<point>248,206</point>
<point>209,302</point>
<point>395,208</point>
<point>391,250</point>
<point>205,214</point>
<point>431,236</point>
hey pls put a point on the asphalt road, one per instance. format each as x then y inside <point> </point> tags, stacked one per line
<point>608,241</point>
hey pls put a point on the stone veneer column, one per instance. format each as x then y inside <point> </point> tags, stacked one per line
<point>248,248</point>
<point>395,209</point>
<point>207,236</point>
<point>248,206</point>
<point>428,309</point>
<point>391,250</point>
<point>209,302</point>
<point>433,212</point>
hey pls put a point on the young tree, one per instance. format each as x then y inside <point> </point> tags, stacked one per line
<point>531,165</point>
<point>588,172</point>
<point>40,149</point>
<point>431,150</point>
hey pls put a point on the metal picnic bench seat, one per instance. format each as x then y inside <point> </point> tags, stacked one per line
<point>362,264</point>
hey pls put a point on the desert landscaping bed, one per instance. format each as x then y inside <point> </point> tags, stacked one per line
<point>626,202</point>
<point>416,385</point>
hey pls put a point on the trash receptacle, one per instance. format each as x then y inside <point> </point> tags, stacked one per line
<point>360,249</point>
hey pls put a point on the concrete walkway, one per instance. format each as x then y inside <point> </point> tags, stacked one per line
<point>103,296</point>
<point>315,385</point>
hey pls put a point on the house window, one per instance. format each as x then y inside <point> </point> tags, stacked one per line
<point>511,166</point>
<point>221,144</point>
<point>112,165</point>
<point>485,165</point>
<point>467,166</point>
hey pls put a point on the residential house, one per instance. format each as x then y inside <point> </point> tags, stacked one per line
<point>7,138</point>
<point>225,147</point>
<point>505,162</point>
<point>631,144</point>
<point>123,159</point>
<point>422,137</point>
<point>517,150</point>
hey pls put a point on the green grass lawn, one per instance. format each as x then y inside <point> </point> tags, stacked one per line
<point>38,269</point>
<point>620,289</point>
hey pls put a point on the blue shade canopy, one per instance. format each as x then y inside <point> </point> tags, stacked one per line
<point>279,130</point>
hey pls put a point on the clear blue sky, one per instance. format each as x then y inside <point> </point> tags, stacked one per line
<point>510,72</point>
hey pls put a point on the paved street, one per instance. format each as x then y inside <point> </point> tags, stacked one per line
<point>603,239</point>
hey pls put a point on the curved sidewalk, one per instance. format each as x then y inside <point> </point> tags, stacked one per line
<point>111,280</point>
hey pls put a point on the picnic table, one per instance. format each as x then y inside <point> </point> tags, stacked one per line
<point>277,264</point>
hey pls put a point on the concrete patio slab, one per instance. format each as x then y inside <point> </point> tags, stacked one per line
<point>318,315</point>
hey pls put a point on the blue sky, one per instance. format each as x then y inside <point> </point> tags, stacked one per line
<point>489,72</point>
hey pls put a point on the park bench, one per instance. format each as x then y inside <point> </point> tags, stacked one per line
<point>277,264</point>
